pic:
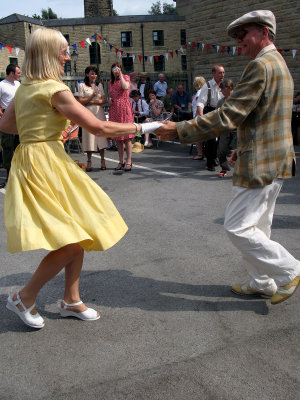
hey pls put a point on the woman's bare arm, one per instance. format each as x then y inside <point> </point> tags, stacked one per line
<point>66,104</point>
<point>8,123</point>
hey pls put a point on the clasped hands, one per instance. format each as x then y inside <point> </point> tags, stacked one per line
<point>167,131</point>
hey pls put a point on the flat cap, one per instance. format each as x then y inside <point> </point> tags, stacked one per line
<point>261,17</point>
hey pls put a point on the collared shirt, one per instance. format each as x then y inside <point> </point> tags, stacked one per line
<point>143,107</point>
<point>7,92</point>
<point>160,88</point>
<point>215,96</point>
<point>182,101</point>
<point>260,107</point>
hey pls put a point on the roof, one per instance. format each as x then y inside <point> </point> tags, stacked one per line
<point>92,21</point>
<point>20,18</point>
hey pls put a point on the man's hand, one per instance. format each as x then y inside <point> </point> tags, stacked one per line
<point>167,131</point>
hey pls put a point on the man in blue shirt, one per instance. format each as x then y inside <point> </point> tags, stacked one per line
<point>160,86</point>
<point>182,104</point>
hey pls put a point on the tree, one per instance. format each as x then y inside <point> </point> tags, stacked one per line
<point>36,16</point>
<point>158,8</point>
<point>48,14</point>
<point>115,13</point>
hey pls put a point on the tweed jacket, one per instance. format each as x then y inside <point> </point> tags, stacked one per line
<point>260,107</point>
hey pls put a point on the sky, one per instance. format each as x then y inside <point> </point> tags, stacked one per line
<point>62,7</point>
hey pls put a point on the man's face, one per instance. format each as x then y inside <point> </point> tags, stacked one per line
<point>250,38</point>
<point>161,77</point>
<point>226,91</point>
<point>180,89</point>
<point>17,74</point>
<point>219,74</point>
<point>136,98</point>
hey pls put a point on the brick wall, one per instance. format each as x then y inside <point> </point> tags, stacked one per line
<point>206,21</point>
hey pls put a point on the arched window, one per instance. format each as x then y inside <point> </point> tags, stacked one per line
<point>93,54</point>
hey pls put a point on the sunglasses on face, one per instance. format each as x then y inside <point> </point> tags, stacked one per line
<point>240,34</point>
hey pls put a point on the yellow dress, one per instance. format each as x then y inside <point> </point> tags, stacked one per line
<point>50,202</point>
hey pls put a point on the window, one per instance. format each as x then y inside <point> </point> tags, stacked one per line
<point>13,60</point>
<point>126,39</point>
<point>93,56</point>
<point>67,37</point>
<point>67,67</point>
<point>158,38</point>
<point>127,64</point>
<point>182,36</point>
<point>159,65</point>
<point>183,63</point>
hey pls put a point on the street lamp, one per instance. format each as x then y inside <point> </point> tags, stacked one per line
<point>74,57</point>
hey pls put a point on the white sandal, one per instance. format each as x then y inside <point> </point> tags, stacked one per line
<point>88,315</point>
<point>32,320</point>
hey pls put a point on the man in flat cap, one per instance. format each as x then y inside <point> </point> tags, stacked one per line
<point>260,108</point>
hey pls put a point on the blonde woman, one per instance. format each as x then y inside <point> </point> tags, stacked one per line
<point>50,202</point>
<point>199,81</point>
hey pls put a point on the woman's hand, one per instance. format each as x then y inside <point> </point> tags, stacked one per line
<point>167,131</point>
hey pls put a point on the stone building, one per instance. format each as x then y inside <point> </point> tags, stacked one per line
<point>206,23</point>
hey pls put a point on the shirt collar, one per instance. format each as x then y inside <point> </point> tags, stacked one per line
<point>266,49</point>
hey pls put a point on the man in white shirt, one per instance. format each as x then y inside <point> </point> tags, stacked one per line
<point>208,99</point>
<point>8,88</point>
<point>160,86</point>
<point>140,107</point>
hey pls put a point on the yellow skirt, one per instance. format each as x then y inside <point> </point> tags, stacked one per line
<point>50,202</point>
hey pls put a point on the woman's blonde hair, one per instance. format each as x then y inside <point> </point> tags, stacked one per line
<point>199,81</point>
<point>41,54</point>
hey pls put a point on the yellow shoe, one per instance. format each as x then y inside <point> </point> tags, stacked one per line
<point>244,289</point>
<point>284,292</point>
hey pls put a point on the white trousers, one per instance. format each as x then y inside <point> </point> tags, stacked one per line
<point>248,220</point>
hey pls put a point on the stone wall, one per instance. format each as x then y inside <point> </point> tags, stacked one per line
<point>206,22</point>
<point>98,8</point>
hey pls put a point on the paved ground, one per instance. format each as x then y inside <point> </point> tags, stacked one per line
<point>170,327</point>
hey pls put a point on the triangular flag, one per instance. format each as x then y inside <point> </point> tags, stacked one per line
<point>116,50</point>
<point>127,55</point>
<point>233,50</point>
<point>17,51</point>
<point>88,41</point>
<point>105,42</point>
<point>198,45</point>
<point>218,48</point>
<point>110,47</point>
<point>119,55</point>
<point>94,37</point>
<point>193,44</point>
<point>9,48</point>
<point>140,58</point>
<point>68,50</point>
<point>0,46</point>
<point>156,58</point>
<point>172,53</point>
<point>239,50</point>
<point>181,49</point>
<point>74,46</point>
<point>167,56</point>
<point>228,49</point>
<point>223,49</point>
<point>280,51</point>
<point>133,57</point>
<point>294,53</point>
<point>203,46</point>
<point>207,47</point>
<point>82,44</point>
<point>176,51</point>
<point>186,45</point>
<point>151,59</point>
<point>146,58</point>
<point>99,37</point>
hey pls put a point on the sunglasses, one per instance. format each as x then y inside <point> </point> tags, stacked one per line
<point>240,34</point>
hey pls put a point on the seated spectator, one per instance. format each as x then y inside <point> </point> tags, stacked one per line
<point>144,85</point>
<point>139,106</point>
<point>156,108</point>
<point>168,102</point>
<point>227,141</point>
<point>182,104</point>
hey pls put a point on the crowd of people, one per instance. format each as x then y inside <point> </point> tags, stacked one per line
<point>43,206</point>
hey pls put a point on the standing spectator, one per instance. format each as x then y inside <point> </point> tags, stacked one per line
<point>160,87</point>
<point>144,86</point>
<point>92,96</point>
<point>120,111</point>
<point>207,101</point>
<point>227,142</point>
<point>182,103</point>
<point>8,88</point>
<point>139,106</point>
<point>156,108</point>
<point>199,81</point>
<point>260,107</point>
<point>168,101</point>
<point>133,82</point>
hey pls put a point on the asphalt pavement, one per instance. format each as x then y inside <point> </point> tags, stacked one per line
<point>170,328</point>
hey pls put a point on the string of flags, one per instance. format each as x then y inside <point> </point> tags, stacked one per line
<point>203,47</point>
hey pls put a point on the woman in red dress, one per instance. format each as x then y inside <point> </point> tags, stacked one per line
<point>120,110</point>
